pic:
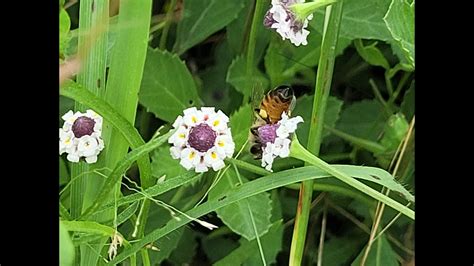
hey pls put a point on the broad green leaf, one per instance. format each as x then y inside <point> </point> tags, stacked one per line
<point>394,131</point>
<point>163,164</point>
<point>340,250</point>
<point>248,252</point>
<point>64,26</point>
<point>127,213</point>
<point>237,76</point>
<point>218,248</point>
<point>89,227</point>
<point>371,54</point>
<point>201,18</point>
<point>381,254</point>
<point>283,60</point>
<point>364,119</point>
<point>66,248</point>
<point>238,31</point>
<point>408,105</point>
<point>303,108</point>
<point>361,19</point>
<point>239,193</point>
<point>167,87</point>
<point>186,250</point>
<point>400,22</point>
<point>240,123</point>
<point>241,216</point>
<point>376,175</point>
<point>166,246</point>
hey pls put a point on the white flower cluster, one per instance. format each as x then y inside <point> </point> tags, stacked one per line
<point>281,18</point>
<point>80,136</point>
<point>281,146</point>
<point>202,139</point>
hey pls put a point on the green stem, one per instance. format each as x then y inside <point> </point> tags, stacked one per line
<point>248,166</point>
<point>169,16</point>
<point>256,22</point>
<point>371,146</point>
<point>299,152</point>
<point>322,87</point>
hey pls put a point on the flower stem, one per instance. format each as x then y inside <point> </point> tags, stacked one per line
<point>323,84</point>
<point>303,10</point>
<point>256,21</point>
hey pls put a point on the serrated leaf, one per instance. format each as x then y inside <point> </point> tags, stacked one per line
<point>364,119</point>
<point>283,60</point>
<point>241,216</point>
<point>66,249</point>
<point>163,164</point>
<point>400,22</point>
<point>248,252</point>
<point>240,123</point>
<point>186,249</point>
<point>201,18</point>
<point>371,54</point>
<point>237,76</point>
<point>167,86</point>
<point>303,108</point>
<point>361,19</point>
<point>339,250</point>
<point>381,254</point>
<point>237,31</point>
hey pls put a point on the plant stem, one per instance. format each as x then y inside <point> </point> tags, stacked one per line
<point>322,87</point>
<point>169,16</point>
<point>256,21</point>
<point>371,146</point>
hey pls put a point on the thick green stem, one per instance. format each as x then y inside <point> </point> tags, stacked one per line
<point>323,85</point>
<point>256,21</point>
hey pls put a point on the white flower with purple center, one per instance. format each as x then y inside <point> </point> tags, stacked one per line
<point>80,136</point>
<point>275,139</point>
<point>202,139</point>
<point>281,18</point>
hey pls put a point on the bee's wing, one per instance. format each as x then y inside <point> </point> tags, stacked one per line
<point>292,105</point>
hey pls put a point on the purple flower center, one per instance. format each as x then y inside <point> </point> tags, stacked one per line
<point>202,137</point>
<point>267,133</point>
<point>83,126</point>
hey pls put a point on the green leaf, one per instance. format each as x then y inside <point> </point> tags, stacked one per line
<point>89,227</point>
<point>120,169</point>
<point>376,175</point>
<point>238,31</point>
<point>303,109</point>
<point>66,249</point>
<point>283,60</point>
<point>247,253</point>
<point>381,254</point>
<point>64,26</point>
<point>237,76</point>
<point>63,172</point>
<point>394,131</point>
<point>217,248</point>
<point>166,246</point>
<point>167,87</point>
<point>360,20</point>
<point>241,216</point>
<point>364,119</point>
<point>408,105</point>
<point>163,164</point>
<point>400,22</point>
<point>239,193</point>
<point>240,123</point>
<point>340,250</point>
<point>371,54</point>
<point>186,250</point>
<point>201,18</point>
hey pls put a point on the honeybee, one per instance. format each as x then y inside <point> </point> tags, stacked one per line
<point>268,111</point>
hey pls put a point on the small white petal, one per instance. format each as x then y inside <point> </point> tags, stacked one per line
<point>201,168</point>
<point>190,158</point>
<point>192,116</point>
<point>73,157</point>
<point>178,122</point>
<point>88,146</point>
<point>91,159</point>
<point>175,152</point>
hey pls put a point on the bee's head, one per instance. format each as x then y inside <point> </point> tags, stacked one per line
<point>285,91</point>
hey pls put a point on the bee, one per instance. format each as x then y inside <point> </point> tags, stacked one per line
<point>274,103</point>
